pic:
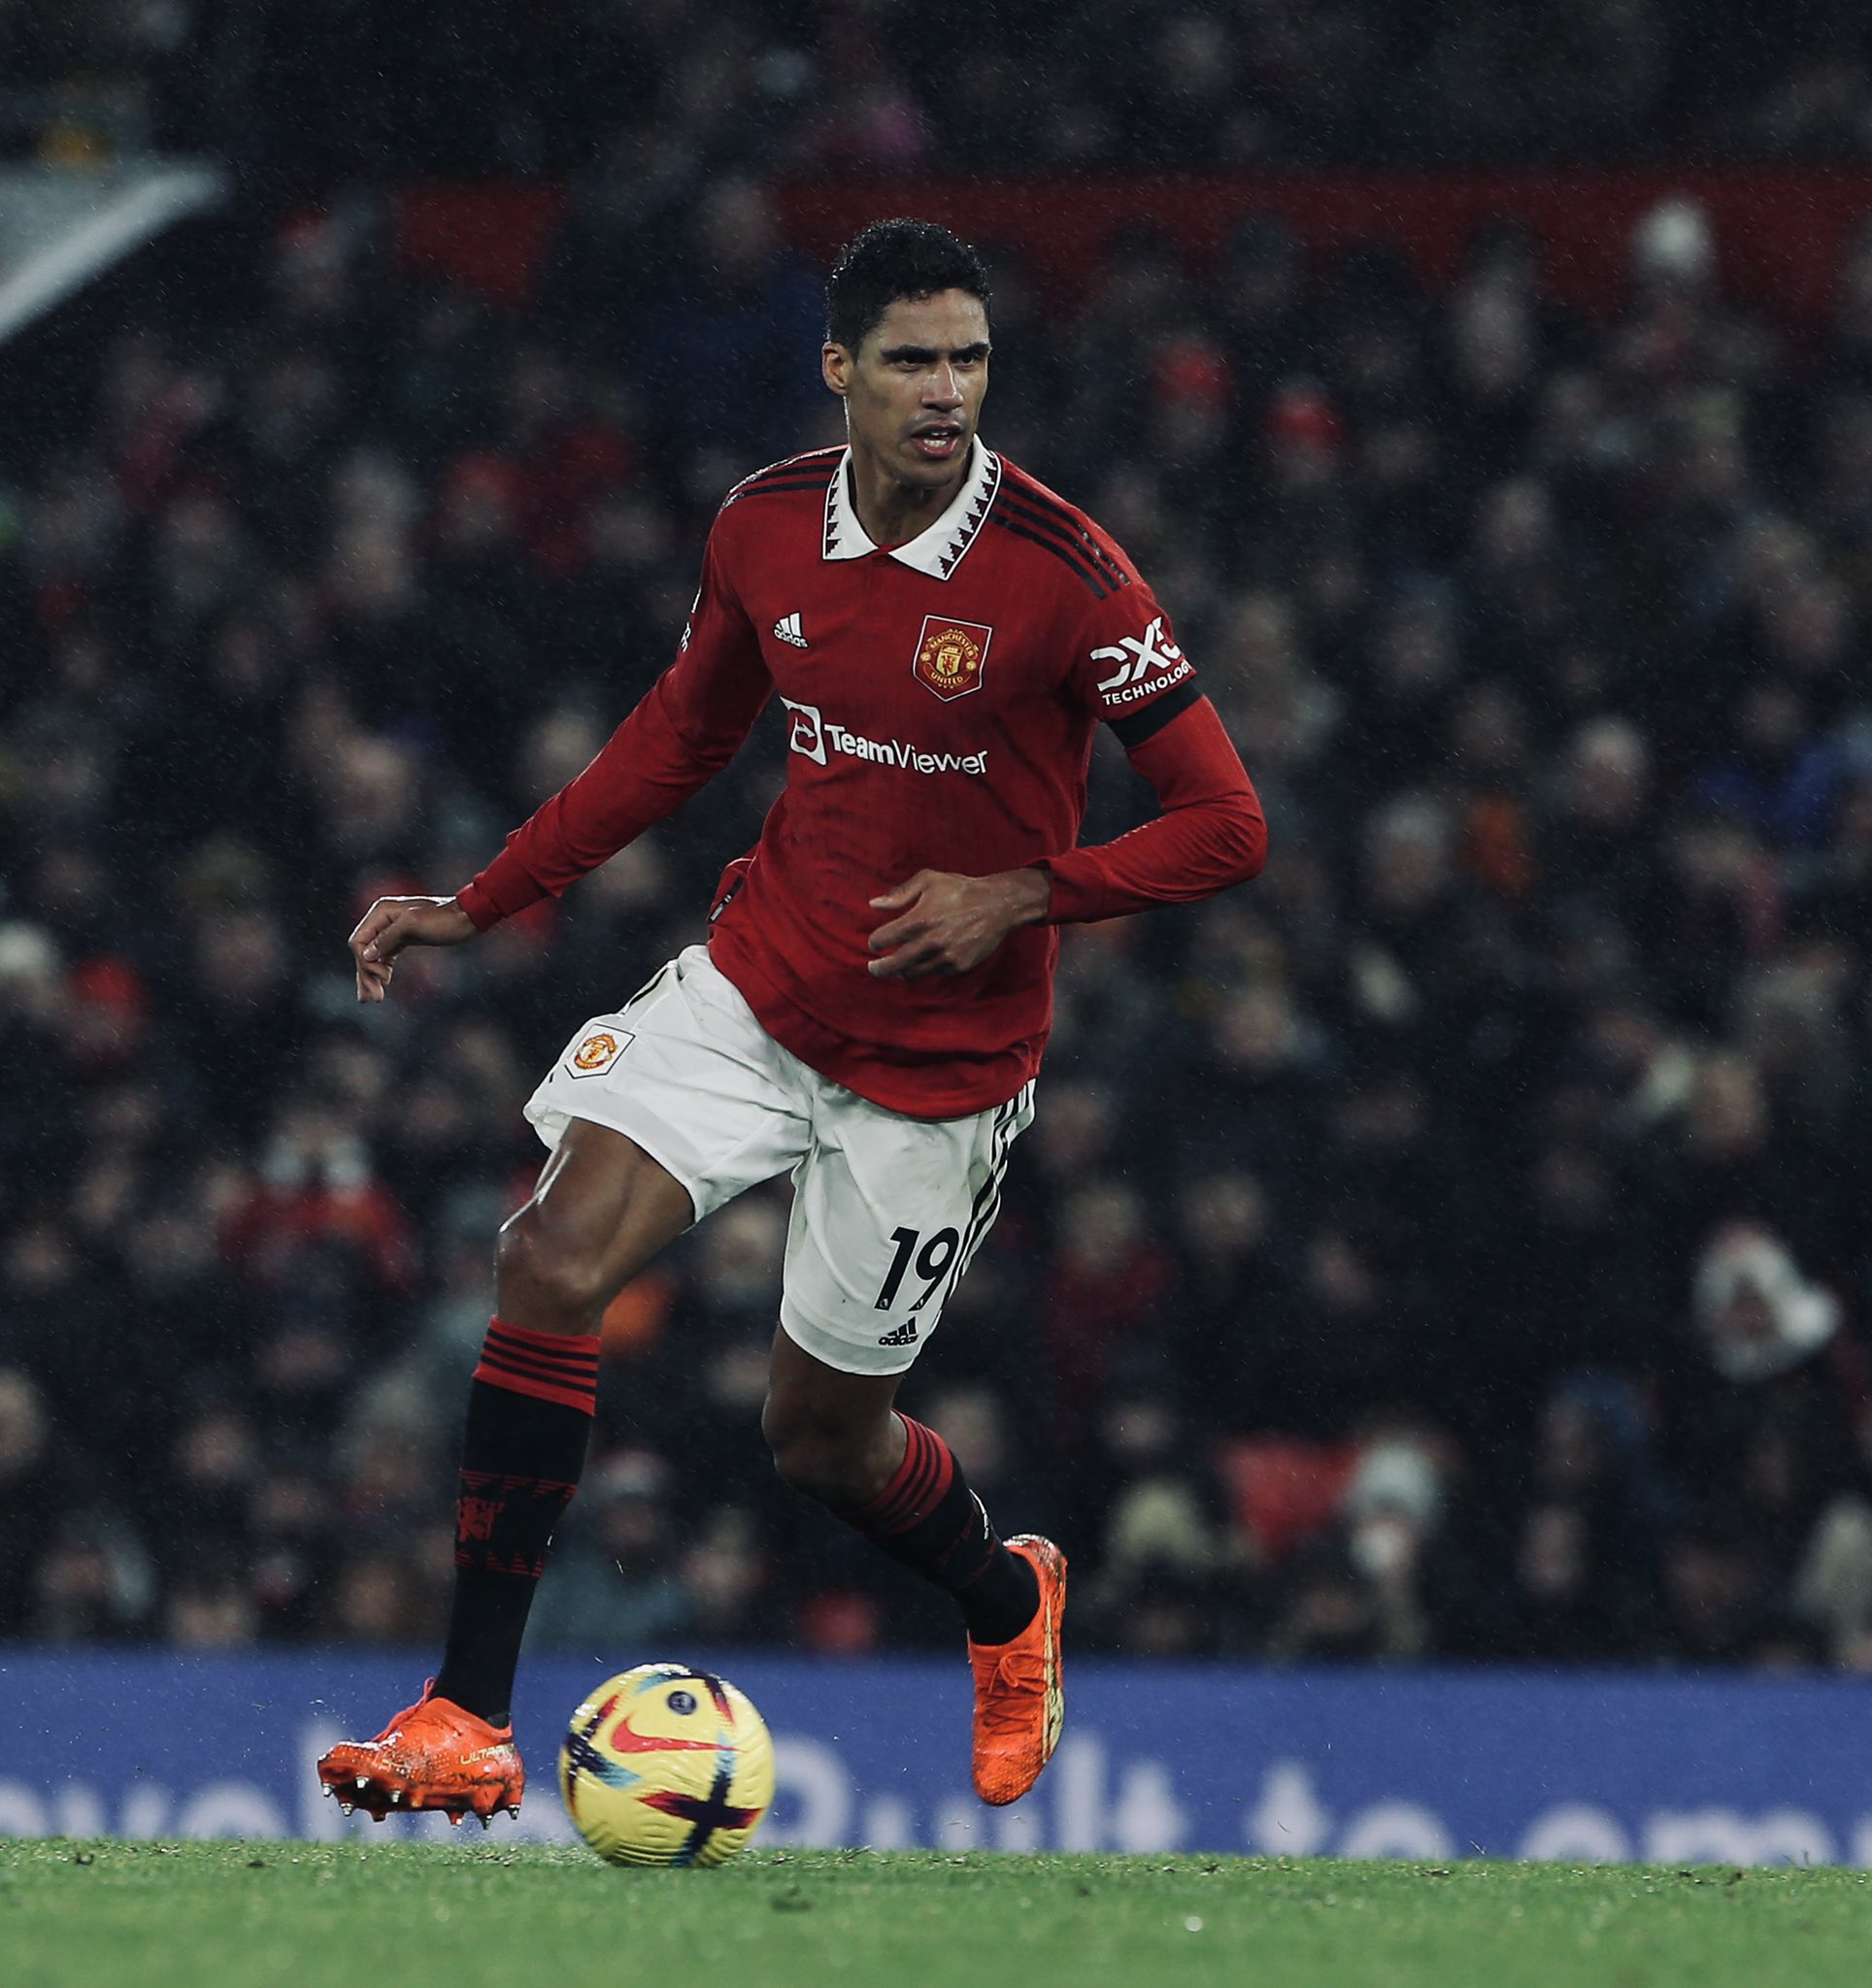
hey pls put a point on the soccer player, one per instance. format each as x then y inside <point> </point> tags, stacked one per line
<point>943,634</point>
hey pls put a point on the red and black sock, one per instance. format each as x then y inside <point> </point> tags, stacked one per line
<point>529,1420</point>
<point>929,1519</point>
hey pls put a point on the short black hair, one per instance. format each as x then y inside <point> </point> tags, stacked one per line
<point>894,259</point>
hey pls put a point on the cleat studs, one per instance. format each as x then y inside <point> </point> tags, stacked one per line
<point>362,1783</point>
<point>396,1797</point>
<point>346,1806</point>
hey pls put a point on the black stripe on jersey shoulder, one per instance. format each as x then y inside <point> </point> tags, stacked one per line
<point>820,459</point>
<point>802,470</point>
<point>1086,574</point>
<point>778,487</point>
<point>1135,727</point>
<point>1036,515</point>
<point>1039,505</point>
<point>1043,503</point>
<point>1073,541</point>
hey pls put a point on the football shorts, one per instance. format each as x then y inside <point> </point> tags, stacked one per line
<point>887,1211</point>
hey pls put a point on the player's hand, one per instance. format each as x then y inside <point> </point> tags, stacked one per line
<point>393,922</point>
<point>948,925</point>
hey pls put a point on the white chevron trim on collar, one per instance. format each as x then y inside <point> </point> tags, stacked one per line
<point>938,549</point>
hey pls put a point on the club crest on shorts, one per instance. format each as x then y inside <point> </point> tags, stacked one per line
<point>597,1049</point>
<point>950,655</point>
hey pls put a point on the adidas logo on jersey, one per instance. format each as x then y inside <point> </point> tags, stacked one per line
<point>788,630</point>
<point>904,1336</point>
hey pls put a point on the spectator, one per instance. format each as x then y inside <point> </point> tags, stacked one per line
<point>1173,1579</point>
<point>91,1584</point>
<point>725,345</point>
<point>1771,1416</point>
<point>1586,1546</point>
<point>727,1583</point>
<point>33,1488</point>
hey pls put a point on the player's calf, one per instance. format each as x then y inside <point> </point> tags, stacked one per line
<point>927,1518</point>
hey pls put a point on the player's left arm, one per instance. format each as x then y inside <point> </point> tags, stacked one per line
<point>949,924</point>
<point>1210,833</point>
<point>1126,668</point>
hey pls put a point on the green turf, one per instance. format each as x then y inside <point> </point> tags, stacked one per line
<point>226,1915</point>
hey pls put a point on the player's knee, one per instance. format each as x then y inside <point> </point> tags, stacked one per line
<point>545,1279</point>
<point>818,1459</point>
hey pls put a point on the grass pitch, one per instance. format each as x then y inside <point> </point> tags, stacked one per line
<point>477,1915</point>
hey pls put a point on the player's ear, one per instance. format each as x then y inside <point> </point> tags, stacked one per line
<point>835,368</point>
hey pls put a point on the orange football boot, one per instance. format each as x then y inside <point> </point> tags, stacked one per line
<point>433,1755</point>
<point>1019,1701</point>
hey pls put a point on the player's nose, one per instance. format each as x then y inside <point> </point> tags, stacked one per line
<point>943,390</point>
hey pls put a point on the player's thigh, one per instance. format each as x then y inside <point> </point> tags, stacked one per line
<point>602,1210</point>
<point>686,1073</point>
<point>887,1213</point>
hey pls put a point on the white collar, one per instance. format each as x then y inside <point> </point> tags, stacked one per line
<point>938,549</point>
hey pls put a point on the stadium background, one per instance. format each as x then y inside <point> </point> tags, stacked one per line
<point>1449,1248</point>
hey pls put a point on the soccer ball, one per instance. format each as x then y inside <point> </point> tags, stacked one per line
<point>665,1765</point>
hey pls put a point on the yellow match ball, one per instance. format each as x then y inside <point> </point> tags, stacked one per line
<point>665,1765</point>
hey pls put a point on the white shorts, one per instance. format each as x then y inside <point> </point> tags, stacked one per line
<point>887,1211</point>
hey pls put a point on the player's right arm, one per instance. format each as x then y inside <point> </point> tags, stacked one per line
<point>692,722</point>
<point>393,922</point>
<point>688,726</point>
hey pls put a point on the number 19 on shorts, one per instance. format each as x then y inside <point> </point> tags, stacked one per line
<point>931,1263</point>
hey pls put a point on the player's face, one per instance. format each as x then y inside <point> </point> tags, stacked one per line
<point>913,390</point>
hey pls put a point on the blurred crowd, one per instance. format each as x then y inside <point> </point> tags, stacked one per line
<point>1450,1246</point>
<point>352,89</point>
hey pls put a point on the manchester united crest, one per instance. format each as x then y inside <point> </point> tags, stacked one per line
<point>597,1051</point>
<point>950,654</point>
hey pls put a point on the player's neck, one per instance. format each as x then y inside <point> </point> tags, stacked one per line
<point>891,513</point>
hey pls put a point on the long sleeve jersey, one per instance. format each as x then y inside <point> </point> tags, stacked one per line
<point>940,700</point>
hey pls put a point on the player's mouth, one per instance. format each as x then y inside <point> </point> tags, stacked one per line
<point>937,440</point>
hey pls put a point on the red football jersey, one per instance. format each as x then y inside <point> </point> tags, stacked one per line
<point>940,700</point>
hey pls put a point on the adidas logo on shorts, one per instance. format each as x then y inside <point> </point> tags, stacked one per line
<point>904,1336</point>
